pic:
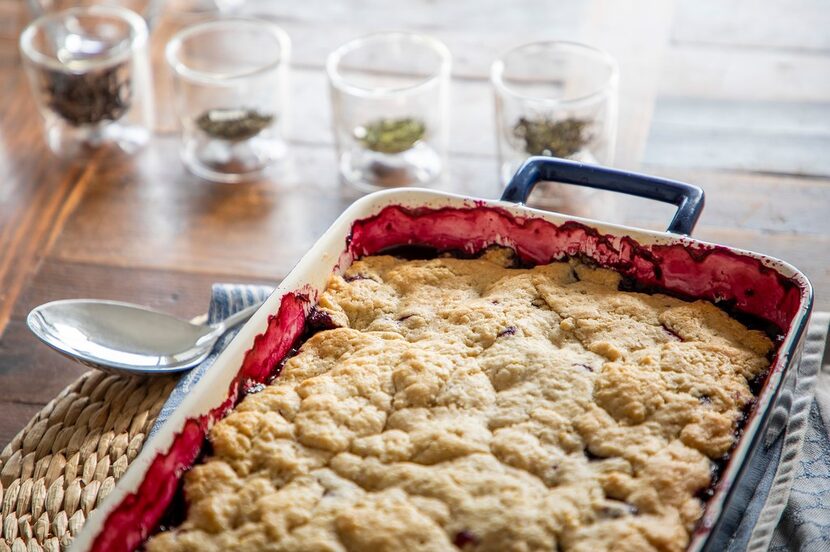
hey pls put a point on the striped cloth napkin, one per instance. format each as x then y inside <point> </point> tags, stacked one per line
<point>225,300</point>
<point>791,506</point>
<point>790,509</point>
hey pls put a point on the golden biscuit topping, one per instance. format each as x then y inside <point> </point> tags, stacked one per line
<point>461,404</point>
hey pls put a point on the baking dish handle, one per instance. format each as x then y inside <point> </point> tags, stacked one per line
<point>688,199</point>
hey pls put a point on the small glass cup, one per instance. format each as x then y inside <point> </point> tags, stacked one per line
<point>231,88</point>
<point>91,79</point>
<point>389,95</point>
<point>555,99</point>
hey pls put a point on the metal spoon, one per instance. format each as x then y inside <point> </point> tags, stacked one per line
<point>125,338</point>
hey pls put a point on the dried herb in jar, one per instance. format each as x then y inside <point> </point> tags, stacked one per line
<point>391,135</point>
<point>233,124</point>
<point>557,138</point>
<point>91,97</point>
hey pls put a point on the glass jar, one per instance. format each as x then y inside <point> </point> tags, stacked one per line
<point>231,96</point>
<point>89,72</point>
<point>389,94</point>
<point>555,99</point>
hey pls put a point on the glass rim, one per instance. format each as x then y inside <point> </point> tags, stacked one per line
<point>498,68</point>
<point>138,36</point>
<point>338,81</point>
<point>171,50</point>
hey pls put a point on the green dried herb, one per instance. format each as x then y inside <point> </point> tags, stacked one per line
<point>561,138</point>
<point>391,135</point>
<point>233,124</point>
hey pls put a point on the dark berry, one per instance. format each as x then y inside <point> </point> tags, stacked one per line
<point>672,333</point>
<point>319,320</point>
<point>463,538</point>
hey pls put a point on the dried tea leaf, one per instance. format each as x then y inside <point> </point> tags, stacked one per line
<point>557,138</point>
<point>90,97</point>
<point>233,125</point>
<point>391,135</point>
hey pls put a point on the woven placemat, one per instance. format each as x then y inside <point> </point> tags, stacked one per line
<point>67,459</point>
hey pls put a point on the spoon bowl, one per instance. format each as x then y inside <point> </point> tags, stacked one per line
<point>125,338</point>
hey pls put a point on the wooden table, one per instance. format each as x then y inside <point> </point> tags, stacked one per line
<point>734,98</point>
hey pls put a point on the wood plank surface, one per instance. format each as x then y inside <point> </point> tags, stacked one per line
<point>731,97</point>
<point>766,136</point>
<point>796,25</point>
<point>262,228</point>
<point>704,71</point>
<point>35,197</point>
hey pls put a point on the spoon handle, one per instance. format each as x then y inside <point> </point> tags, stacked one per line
<point>235,319</point>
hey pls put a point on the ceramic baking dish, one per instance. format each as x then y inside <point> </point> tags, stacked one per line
<point>747,283</point>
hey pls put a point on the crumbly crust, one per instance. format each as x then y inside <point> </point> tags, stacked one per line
<point>461,404</point>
